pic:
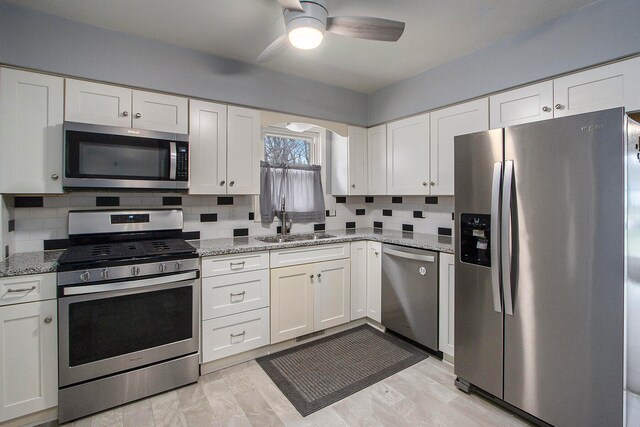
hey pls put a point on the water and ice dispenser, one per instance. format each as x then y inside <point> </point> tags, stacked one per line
<point>475,239</point>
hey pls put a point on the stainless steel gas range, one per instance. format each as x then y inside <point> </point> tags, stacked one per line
<point>128,309</point>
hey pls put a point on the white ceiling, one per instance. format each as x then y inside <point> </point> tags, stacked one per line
<point>437,31</point>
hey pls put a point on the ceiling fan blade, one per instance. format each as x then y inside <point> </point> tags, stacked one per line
<point>291,5</point>
<point>363,27</point>
<point>274,49</point>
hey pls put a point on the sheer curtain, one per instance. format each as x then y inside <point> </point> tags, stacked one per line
<point>301,186</point>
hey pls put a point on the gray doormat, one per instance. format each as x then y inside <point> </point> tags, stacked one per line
<point>322,372</point>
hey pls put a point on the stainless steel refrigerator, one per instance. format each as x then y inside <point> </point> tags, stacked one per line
<point>540,266</point>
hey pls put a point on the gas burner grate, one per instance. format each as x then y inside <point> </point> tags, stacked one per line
<point>101,250</point>
<point>159,246</point>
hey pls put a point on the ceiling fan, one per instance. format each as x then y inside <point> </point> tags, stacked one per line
<point>307,21</point>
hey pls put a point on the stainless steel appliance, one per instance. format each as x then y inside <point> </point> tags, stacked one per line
<point>128,298</point>
<point>410,293</point>
<point>113,157</point>
<point>539,287</point>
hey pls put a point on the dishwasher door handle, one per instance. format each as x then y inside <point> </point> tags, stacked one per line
<point>409,255</point>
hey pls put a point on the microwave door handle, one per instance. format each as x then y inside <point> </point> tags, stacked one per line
<point>173,161</point>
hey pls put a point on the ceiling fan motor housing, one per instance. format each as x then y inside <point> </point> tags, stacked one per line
<point>314,15</point>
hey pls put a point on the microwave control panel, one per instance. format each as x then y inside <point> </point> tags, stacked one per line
<point>182,161</point>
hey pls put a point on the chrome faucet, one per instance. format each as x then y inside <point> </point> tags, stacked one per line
<point>286,229</point>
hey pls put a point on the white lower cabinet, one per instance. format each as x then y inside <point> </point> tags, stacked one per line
<point>447,303</point>
<point>235,305</point>
<point>358,280</point>
<point>374,281</point>
<point>309,297</point>
<point>28,358</point>
<point>229,335</point>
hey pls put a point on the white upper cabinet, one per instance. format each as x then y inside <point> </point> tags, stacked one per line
<point>446,124</point>
<point>408,156</point>
<point>610,86</point>
<point>357,161</point>
<point>339,165</point>
<point>97,103</point>
<point>156,111</point>
<point>101,104</point>
<point>244,150</point>
<point>377,160</point>
<point>523,105</point>
<point>31,117</point>
<point>207,148</point>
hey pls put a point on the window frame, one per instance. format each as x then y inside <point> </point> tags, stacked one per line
<point>286,133</point>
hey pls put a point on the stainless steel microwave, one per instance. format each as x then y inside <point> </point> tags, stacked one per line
<point>112,157</point>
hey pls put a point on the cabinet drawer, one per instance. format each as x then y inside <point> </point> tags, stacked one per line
<point>19,289</point>
<point>308,254</point>
<point>229,335</point>
<point>216,266</point>
<point>234,293</point>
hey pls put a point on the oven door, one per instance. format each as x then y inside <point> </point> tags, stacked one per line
<point>125,325</point>
<point>111,157</point>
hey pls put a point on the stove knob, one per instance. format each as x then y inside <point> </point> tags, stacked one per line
<point>104,273</point>
<point>85,276</point>
<point>135,271</point>
<point>162,267</point>
<point>178,265</point>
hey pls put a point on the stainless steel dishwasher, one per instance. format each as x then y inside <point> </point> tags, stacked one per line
<point>410,293</point>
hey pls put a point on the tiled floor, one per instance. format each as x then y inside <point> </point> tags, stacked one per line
<point>244,395</point>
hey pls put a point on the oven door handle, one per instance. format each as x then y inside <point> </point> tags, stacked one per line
<point>133,284</point>
<point>173,161</point>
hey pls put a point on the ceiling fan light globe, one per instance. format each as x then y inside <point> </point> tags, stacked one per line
<point>305,37</point>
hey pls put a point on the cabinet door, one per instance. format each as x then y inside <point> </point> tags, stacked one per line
<point>357,161</point>
<point>31,117</point>
<point>97,103</point>
<point>332,302</point>
<point>28,358</point>
<point>244,148</point>
<point>207,148</point>
<point>291,302</point>
<point>358,280</point>
<point>614,85</point>
<point>446,124</point>
<point>447,303</point>
<point>526,104</point>
<point>377,160</point>
<point>374,281</point>
<point>160,112</point>
<point>408,156</point>
<point>339,165</point>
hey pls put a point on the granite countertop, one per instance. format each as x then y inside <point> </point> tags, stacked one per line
<point>47,261</point>
<point>30,263</point>
<point>237,245</point>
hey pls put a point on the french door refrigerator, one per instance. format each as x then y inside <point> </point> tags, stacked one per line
<point>539,284</point>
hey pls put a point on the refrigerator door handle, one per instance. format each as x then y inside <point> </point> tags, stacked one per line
<point>506,237</point>
<point>495,236</point>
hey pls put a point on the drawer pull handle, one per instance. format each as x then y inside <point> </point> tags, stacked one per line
<point>238,335</point>
<point>233,264</point>
<point>239,294</point>
<point>16,291</point>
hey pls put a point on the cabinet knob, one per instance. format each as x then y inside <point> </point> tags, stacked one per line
<point>222,183</point>
<point>432,183</point>
<point>353,186</point>
<point>425,184</point>
<point>311,276</point>
<point>546,109</point>
<point>377,253</point>
<point>48,319</point>
<point>231,183</point>
<point>559,107</point>
<point>125,114</point>
<point>54,177</point>
<point>138,115</point>
<point>319,275</point>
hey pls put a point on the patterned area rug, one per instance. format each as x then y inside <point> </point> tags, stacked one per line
<point>322,372</point>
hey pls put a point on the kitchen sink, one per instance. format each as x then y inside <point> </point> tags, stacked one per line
<point>294,237</point>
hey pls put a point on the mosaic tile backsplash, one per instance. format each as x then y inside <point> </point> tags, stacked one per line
<point>37,223</point>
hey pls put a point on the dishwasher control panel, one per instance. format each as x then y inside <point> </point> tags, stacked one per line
<point>475,239</point>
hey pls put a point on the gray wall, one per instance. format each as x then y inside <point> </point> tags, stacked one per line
<point>596,33</point>
<point>49,43</point>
